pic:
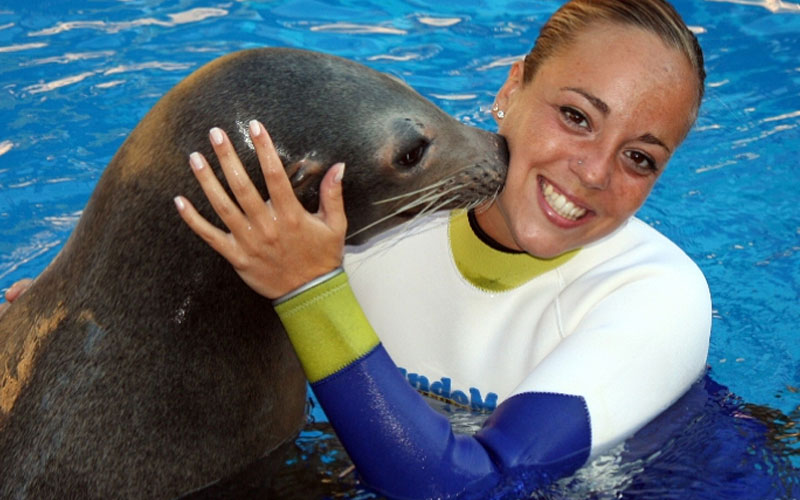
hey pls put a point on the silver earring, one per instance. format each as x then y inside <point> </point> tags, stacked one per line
<point>500,113</point>
<point>580,162</point>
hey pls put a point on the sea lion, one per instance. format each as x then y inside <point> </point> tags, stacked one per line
<point>139,364</point>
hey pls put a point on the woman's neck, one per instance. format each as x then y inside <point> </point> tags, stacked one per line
<point>485,238</point>
<point>492,224</point>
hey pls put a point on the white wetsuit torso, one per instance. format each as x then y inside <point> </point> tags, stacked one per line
<point>623,322</point>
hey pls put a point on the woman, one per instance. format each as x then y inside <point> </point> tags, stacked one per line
<point>552,306</point>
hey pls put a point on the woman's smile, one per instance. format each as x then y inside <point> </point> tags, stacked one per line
<point>562,209</point>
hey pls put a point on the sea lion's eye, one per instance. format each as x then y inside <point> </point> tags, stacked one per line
<point>412,156</point>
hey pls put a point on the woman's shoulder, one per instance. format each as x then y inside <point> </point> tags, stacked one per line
<point>636,246</point>
<point>636,259</point>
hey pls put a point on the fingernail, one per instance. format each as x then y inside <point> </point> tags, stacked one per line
<point>255,129</point>
<point>340,173</point>
<point>179,203</point>
<point>216,136</point>
<point>196,161</point>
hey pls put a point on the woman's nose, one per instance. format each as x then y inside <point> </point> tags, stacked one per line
<point>594,171</point>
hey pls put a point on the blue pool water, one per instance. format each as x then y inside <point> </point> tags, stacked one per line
<point>76,78</point>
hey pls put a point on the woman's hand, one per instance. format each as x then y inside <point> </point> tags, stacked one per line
<point>275,246</point>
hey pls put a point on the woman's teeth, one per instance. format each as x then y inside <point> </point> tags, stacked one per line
<point>561,204</point>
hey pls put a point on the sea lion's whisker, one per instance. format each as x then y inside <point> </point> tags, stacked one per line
<point>431,198</point>
<point>439,205</point>
<point>430,207</point>
<point>425,200</point>
<point>425,189</point>
<point>433,204</point>
<point>428,200</point>
<point>372,224</point>
<point>435,198</point>
<point>483,205</point>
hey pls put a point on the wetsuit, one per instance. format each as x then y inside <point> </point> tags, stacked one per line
<point>573,354</point>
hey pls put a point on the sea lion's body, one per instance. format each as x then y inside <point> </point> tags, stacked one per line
<point>139,364</point>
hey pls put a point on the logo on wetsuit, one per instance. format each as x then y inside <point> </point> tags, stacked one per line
<point>441,389</point>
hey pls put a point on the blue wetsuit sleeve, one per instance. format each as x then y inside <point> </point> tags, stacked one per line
<point>402,447</point>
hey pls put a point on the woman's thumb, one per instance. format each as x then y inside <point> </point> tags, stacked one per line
<point>331,203</point>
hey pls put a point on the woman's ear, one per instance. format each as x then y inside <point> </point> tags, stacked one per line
<point>513,83</point>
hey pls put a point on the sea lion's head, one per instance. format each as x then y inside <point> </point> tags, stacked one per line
<point>404,155</point>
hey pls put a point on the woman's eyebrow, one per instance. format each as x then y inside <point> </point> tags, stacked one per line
<point>651,139</point>
<point>603,108</point>
<point>596,101</point>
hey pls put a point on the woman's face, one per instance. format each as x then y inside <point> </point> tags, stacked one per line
<point>588,137</point>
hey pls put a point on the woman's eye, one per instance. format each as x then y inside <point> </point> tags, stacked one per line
<point>641,161</point>
<point>574,117</point>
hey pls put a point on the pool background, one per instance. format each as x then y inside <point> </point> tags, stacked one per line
<point>75,79</point>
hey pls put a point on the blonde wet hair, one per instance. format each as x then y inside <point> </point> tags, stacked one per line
<point>654,16</point>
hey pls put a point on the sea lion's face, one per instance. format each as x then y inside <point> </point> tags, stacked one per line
<point>428,161</point>
<point>589,136</point>
<point>407,157</point>
<point>404,155</point>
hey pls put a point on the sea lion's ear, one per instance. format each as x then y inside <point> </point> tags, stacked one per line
<point>305,172</point>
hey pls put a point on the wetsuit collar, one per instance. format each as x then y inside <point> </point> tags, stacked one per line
<point>492,267</point>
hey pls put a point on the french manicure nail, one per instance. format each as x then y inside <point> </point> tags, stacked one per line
<point>196,161</point>
<point>179,203</point>
<point>216,136</point>
<point>255,129</point>
<point>339,173</point>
